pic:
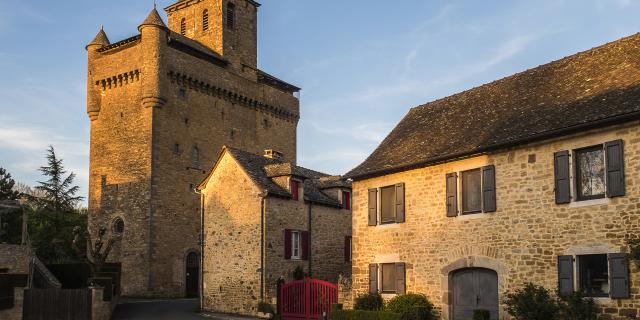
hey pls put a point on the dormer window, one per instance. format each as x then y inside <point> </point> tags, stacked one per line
<point>231,15</point>
<point>205,20</point>
<point>295,189</point>
<point>183,26</point>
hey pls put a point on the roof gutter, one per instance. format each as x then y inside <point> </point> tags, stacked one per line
<point>627,117</point>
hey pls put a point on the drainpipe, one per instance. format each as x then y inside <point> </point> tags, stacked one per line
<point>201,271</point>
<point>263,206</point>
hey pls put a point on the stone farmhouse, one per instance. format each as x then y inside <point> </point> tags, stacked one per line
<point>162,104</point>
<point>264,217</point>
<point>531,178</point>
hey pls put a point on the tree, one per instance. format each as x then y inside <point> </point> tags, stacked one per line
<point>7,184</point>
<point>59,192</point>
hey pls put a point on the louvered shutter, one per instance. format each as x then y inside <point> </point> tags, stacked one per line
<point>306,245</point>
<point>400,202</point>
<point>489,188</point>
<point>614,153</point>
<point>452,195</point>
<point>373,207</point>
<point>401,275</point>
<point>287,244</point>
<point>619,275</point>
<point>373,278</point>
<point>561,175</point>
<point>565,275</point>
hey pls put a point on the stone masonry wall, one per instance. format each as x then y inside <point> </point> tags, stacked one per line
<point>521,241</point>
<point>232,241</point>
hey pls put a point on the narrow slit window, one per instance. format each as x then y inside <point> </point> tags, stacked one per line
<point>183,26</point>
<point>231,15</point>
<point>205,20</point>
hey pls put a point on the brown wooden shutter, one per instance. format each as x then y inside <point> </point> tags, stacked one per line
<point>400,203</point>
<point>401,275</point>
<point>489,188</point>
<point>614,155</point>
<point>619,275</point>
<point>287,244</point>
<point>562,177</point>
<point>373,278</point>
<point>373,207</point>
<point>347,248</point>
<point>565,275</point>
<point>452,194</point>
<point>306,245</point>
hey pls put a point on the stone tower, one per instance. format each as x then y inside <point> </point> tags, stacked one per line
<point>162,104</point>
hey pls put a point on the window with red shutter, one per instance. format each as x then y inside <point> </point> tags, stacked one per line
<point>295,190</point>
<point>346,200</point>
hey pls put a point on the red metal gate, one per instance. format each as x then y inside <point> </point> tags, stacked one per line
<point>307,299</point>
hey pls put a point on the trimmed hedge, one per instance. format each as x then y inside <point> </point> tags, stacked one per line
<point>364,315</point>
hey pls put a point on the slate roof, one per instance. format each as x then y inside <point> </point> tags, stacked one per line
<point>153,19</point>
<point>591,89</point>
<point>100,39</point>
<point>261,170</point>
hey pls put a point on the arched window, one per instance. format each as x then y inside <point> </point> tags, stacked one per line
<point>118,226</point>
<point>231,15</point>
<point>205,20</point>
<point>195,157</point>
<point>183,26</point>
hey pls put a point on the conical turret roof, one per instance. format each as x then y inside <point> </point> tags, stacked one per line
<point>153,19</point>
<point>101,39</point>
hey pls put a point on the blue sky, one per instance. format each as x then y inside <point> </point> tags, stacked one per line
<point>361,63</point>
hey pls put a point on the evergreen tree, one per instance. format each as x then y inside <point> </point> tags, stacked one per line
<point>59,192</point>
<point>6,186</point>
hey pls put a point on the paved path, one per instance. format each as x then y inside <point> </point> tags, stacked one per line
<point>164,310</point>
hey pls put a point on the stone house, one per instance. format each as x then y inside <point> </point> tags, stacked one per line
<point>162,104</point>
<point>263,217</point>
<point>531,178</point>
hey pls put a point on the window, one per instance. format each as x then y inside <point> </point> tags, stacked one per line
<point>598,172</point>
<point>590,169</point>
<point>477,191</point>
<point>296,245</point>
<point>195,158</point>
<point>593,275</point>
<point>346,200</point>
<point>388,278</point>
<point>471,191</point>
<point>295,190</point>
<point>387,207</point>
<point>176,148</point>
<point>118,226</point>
<point>205,20</point>
<point>348,248</point>
<point>231,15</point>
<point>183,26</point>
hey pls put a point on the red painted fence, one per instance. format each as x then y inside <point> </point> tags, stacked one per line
<point>307,299</point>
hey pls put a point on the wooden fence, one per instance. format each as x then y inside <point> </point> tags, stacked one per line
<point>58,304</point>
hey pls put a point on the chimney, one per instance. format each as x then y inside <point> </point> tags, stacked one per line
<point>272,154</point>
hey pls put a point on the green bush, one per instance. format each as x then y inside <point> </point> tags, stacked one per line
<point>412,306</point>
<point>265,307</point>
<point>481,314</point>
<point>364,315</point>
<point>577,307</point>
<point>370,301</point>
<point>531,303</point>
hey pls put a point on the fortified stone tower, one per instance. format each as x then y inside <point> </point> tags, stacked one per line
<point>162,104</point>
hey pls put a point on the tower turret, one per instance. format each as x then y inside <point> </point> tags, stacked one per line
<point>154,42</point>
<point>93,95</point>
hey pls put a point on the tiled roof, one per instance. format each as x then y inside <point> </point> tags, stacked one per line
<point>591,89</point>
<point>261,170</point>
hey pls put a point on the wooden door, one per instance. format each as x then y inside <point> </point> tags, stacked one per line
<point>474,289</point>
<point>193,273</point>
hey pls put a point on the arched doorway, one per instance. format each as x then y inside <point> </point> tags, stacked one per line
<point>472,289</point>
<point>192,275</point>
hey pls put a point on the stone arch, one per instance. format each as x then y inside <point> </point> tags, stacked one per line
<point>472,261</point>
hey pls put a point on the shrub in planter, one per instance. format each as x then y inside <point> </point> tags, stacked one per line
<point>481,314</point>
<point>577,307</point>
<point>412,306</point>
<point>531,302</point>
<point>370,301</point>
<point>265,308</point>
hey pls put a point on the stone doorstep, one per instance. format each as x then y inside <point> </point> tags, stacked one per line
<point>222,316</point>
